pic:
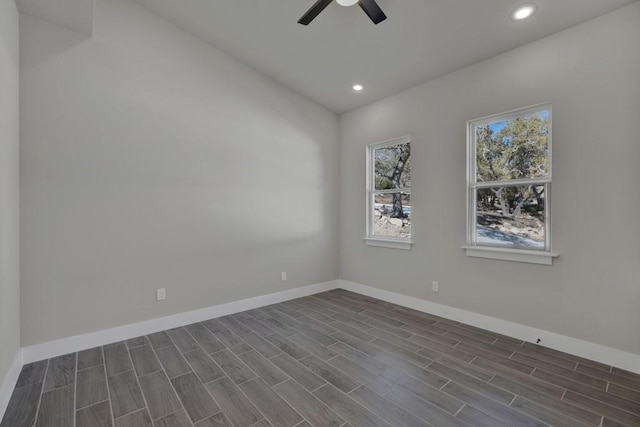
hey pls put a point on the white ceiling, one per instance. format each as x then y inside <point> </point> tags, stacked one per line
<point>420,40</point>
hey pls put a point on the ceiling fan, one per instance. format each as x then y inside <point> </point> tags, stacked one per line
<point>370,7</point>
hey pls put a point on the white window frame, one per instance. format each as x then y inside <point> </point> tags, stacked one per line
<point>371,239</point>
<point>473,248</point>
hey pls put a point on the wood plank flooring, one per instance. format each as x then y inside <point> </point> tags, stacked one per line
<point>331,359</point>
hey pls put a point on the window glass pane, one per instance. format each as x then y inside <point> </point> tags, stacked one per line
<point>513,149</point>
<point>392,215</point>
<point>511,216</point>
<point>392,167</point>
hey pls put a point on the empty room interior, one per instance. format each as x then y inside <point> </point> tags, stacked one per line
<point>319,213</point>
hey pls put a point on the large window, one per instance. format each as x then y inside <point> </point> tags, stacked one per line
<point>509,184</point>
<point>389,194</point>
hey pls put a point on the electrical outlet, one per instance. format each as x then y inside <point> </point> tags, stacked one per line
<point>161,294</point>
<point>435,286</point>
<point>283,276</point>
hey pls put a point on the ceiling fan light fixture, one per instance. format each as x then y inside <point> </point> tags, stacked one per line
<point>523,12</point>
<point>347,2</point>
<point>357,87</point>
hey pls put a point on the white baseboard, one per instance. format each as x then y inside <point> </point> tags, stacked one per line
<point>588,350</point>
<point>93,339</point>
<point>599,353</point>
<point>9,382</point>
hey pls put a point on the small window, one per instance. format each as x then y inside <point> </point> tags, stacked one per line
<point>389,194</point>
<point>509,184</point>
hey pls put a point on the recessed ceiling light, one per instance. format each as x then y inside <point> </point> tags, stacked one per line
<point>357,87</point>
<point>523,12</point>
<point>347,2</point>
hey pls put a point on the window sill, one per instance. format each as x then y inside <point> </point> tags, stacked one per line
<point>506,254</point>
<point>388,243</point>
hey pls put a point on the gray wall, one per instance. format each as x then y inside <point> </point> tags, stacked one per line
<point>9,191</point>
<point>591,74</point>
<point>150,159</point>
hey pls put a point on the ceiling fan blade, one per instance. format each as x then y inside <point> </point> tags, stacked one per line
<point>372,10</point>
<point>314,11</point>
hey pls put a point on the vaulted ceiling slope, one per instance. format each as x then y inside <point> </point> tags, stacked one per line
<point>421,39</point>
<point>75,15</point>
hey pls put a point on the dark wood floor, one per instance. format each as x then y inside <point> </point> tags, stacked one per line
<point>331,359</point>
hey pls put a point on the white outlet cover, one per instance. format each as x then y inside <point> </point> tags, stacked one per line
<point>161,294</point>
<point>435,286</point>
<point>283,275</point>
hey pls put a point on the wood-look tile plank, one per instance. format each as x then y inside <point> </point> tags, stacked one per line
<point>279,327</point>
<point>98,415</point>
<point>261,345</point>
<point>90,358</point>
<point>135,419</point>
<point>217,420</point>
<point>56,407</point>
<point>526,385</point>
<point>394,339</point>
<point>23,405</point>
<point>32,373</point>
<point>233,342</point>
<point>315,335</point>
<point>283,309</point>
<point>312,409</point>
<point>116,359</point>
<point>425,410</point>
<point>408,387</point>
<point>545,394</point>
<point>563,372</point>
<point>502,365</point>
<point>298,372</point>
<point>194,397</point>
<point>205,338</point>
<point>608,411</point>
<point>159,340</point>
<point>287,346</point>
<point>61,372</point>
<point>358,333</point>
<point>214,326</point>
<point>399,332</point>
<point>91,387</point>
<point>240,411</point>
<point>233,367</point>
<point>434,336</point>
<point>173,361</point>
<point>262,366</point>
<point>362,375</point>
<point>347,408</point>
<point>274,408</point>
<point>234,325</point>
<point>386,409</point>
<point>126,396</point>
<point>314,347</point>
<point>478,418</point>
<point>491,407</point>
<point>543,413</point>
<point>177,419</point>
<point>282,317</point>
<point>144,360</point>
<point>330,374</point>
<point>204,366</point>
<point>624,392</point>
<point>182,340</point>
<point>257,326</point>
<point>616,378</point>
<point>159,395</point>
<point>136,342</point>
<point>401,352</point>
<point>473,383</point>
